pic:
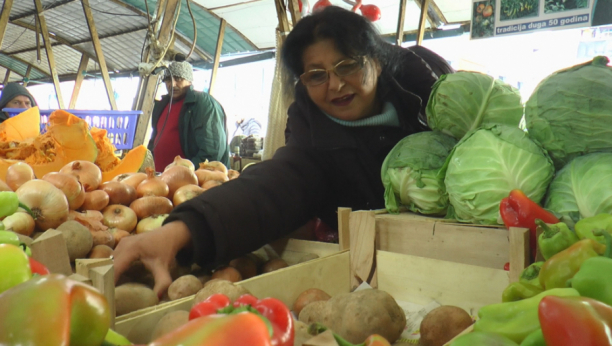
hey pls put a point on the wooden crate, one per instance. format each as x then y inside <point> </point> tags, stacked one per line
<point>418,271</point>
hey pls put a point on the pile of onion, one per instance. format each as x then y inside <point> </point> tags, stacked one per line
<point>150,223</point>
<point>17,174</point>
<point>152,186</point>
<point>20,222</point>
<point>179,161</point>
<point>70,186</point>
<point>88,173</point>
<point>95,200</point>
<point>214,166</point>
<point>132,179</point>
<point>47,202</point>
<point>151,205</point>
<point>185,193</point>
<point>119,193</point>
<point>178,176</point>
<point>205,175</point>
<point>120,216</point>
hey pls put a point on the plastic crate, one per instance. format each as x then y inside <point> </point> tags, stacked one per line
<point>121,125</point>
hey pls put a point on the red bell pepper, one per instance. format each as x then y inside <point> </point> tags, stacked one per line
<point>571,321</point>
<point>274,312</point>
<point>38,268</point>
<point>517,210</point>
<point>243,328</point>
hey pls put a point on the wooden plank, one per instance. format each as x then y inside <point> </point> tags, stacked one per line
<point>294,10</point>
<point>26,78</point>
<point>93,32</point>
<point>487,247</point>
<point>295,251</point>
<point>329,274</point>
<point>420,280</point>
<point>344,233</point>
<point>218,49</point>
<point>4,18</point>
<point>103,279</point>
<point>399,35</point>
<point>83,266</point>
<point>49,50</point>
<point>362,225</point>
<point>80,278</point>
<point>519,252</point>
<point>50,249</point>
<point>422,22</point>
<point>78,81</point>
<point>283,21</point>
<point>7,75</point>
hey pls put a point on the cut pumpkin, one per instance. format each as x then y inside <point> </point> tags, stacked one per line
<point>109,163</point>
<point>21,127</point>
<point>67,139</point>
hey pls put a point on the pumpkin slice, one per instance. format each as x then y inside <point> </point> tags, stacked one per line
<point>67,139</point>
<point>21,127</point>
<point>109,163</point>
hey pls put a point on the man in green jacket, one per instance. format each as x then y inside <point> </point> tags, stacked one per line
<point>187,123</point>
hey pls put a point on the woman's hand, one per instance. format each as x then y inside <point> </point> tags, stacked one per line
<point>155,249</point>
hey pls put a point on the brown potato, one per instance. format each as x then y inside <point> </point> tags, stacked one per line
<point>214,286</point>
<point>227,273</point>
<point>184,286</point>
<point>170,322</point>
<point>274,264</point>
<point>245,265</point>
<point>442,324</point>
<point>309,296</point>
<point>101,251</point>
<point>79,240</point>
<point>131,297</point>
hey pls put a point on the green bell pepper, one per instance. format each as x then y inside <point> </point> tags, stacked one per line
<point>519,291</point>
<point>53,310</point>
<point>531,274</point>
<point>115,339</point>
<point>9,203</point>
<point>516,320</point>
<point>482,339</point>
<point>14,267</point>
<point>535,339</point>
<point>585,227</point>
<point>593,280</point>
<point>563,266</point>
<point>554,238</point>
<point>9,237</point>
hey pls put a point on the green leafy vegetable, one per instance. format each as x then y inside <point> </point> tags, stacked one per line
<point>410,173</point>
<point>464,101</point>
<point>486,165</point>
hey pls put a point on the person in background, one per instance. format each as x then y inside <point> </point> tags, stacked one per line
<point>248,127</point>
<point>14,95</point>
<point>356,97</point>
<point>187,123</point>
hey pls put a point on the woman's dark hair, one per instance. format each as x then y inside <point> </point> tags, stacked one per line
<point>353,35</point>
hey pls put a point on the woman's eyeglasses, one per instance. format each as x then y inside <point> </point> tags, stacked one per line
<point>342,69</point>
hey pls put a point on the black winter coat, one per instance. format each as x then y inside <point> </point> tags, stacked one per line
<point>324,166</point>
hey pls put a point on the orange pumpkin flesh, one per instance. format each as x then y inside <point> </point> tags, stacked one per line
<point>21,127</point>
<point>109,163</point>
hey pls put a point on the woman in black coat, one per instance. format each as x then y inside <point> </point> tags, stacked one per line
<point>356,96</point>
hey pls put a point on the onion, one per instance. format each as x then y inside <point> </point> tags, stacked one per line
<point>205,175</point>
<point>86,172</point>
<point>47,202</point>
<point>132,179</point>
<point>95,200</point>
<point>150,223</point>
<point>70,186</point>
<point>17,174</point>
<point>152,186</point>
<point>120,216</point>
<point>214,166</point>
<point>210,184</point>
<point>179,161</point>
<point>119,193</point>
<point>178,176</point>
<point>185,193</point>
<point>20,222</point>
<point>151,205</point>
<point>233,174</point>
<point>118,234</point>
<point>4,187</point>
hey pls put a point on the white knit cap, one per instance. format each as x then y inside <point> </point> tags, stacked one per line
<point>180,69</point>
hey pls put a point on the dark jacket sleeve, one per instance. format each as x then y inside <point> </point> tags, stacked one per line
<point>208,129</point>
<point>268,201</point>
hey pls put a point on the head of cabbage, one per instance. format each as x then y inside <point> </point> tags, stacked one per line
<point>489,163</point>
<point>410,173</point>
<point>570,112</point>
<point>583,188</point>
<point>464,101</point>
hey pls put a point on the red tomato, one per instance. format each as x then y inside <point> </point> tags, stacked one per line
<point>321,4</point>
<point>372,12</point>
<point>488,11</point>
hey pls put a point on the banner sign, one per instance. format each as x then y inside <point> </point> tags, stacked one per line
<point>508,17</point>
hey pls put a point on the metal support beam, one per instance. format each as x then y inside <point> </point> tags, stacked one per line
<point>4,18</point>
<point>6,77</point>
<point>294,9</point>
<point>218,49</point>
<point>93,31</point>
<point>26,78</point>
<point>422,21</point>
<point>78,81</point>
<point>399,35</point>
<point>149,83</point>
<point>50,57</point>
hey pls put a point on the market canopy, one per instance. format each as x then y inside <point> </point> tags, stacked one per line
<point>122,29</point>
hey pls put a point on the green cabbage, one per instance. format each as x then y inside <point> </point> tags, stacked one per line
<point>583,188</point>
<point>570,112</point>
<point>410,173</point>
<point>486,165</point>
<point>464,101</point>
